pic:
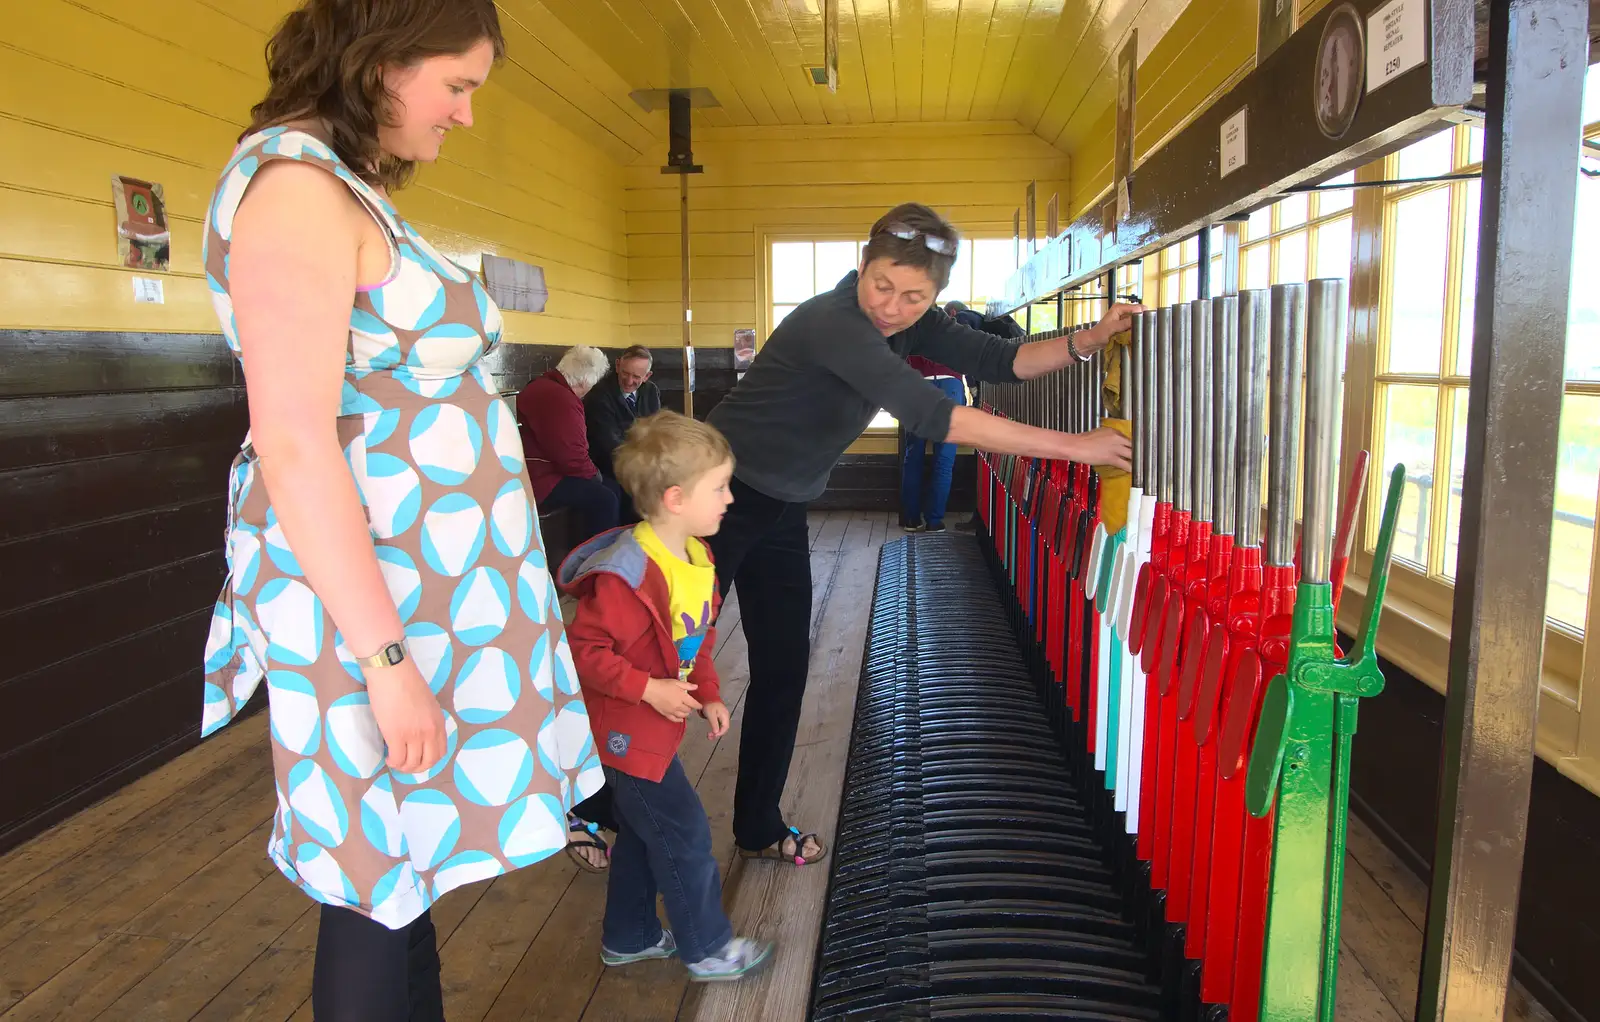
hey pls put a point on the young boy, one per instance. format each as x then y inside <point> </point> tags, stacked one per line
<point>642,640</point>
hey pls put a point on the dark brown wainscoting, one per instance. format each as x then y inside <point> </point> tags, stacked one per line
<point>871,482</point>
<point>1395,779</point>
<point>114,451</point>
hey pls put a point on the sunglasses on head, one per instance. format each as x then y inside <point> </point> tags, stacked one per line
<point>934,243</point>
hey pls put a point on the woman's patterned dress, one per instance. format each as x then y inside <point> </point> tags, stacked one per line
<point>437,460</point>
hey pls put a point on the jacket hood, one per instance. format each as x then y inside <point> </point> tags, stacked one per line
<point>615,551</point>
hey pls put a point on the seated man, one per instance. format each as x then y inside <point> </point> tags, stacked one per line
<point>612,406</point>
<point>556,445</point>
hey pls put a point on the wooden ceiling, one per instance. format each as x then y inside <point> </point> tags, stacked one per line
<point>1046,64</point>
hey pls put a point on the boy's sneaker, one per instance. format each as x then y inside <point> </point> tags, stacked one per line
<point>666,947</point>
<point>911,526</point>
<point>739,957</point>
<point>932,527</point>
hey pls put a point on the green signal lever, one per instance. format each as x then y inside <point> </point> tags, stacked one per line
<point>1301,759</point>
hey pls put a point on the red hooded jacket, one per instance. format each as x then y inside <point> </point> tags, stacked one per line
<point>555,435</point>
<point>621,637</point>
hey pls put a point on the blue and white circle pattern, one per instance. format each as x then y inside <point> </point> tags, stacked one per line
<point>402,578</point>
<point>292,619</point>
<point>354,740</point>
<point>494,767</point>
<point>380,818</point>
<point>533,828</point>
<point>433,826</point>
<point>488,687</point>
<point>511,519</point>
<point>445,444</point>
<point>463,869</point>
<point>480,607</point>
<point>452,534</point>
<point>318,807</point>
<point>437,462</point>
<point>296,718</point>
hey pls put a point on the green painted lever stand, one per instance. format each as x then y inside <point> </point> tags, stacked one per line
<point>1301,760</point>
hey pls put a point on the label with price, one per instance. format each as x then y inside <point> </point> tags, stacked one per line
<point>1235,142</point>
<point>1397,41</point>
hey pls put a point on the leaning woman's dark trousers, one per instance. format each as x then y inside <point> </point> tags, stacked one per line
<point>764,551</point>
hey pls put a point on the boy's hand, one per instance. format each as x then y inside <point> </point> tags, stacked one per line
<point>717,713</point>
<point>671,698</point>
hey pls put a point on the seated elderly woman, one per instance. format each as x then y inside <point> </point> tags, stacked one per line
<point>555,441</point>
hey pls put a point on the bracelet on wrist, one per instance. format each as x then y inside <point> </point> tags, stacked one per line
<point>1072,349</point>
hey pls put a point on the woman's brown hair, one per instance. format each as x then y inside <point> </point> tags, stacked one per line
<point>914,251</point>
<point>326,61</point>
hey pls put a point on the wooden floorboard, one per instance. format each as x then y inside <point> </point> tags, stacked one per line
<point>158,903</point>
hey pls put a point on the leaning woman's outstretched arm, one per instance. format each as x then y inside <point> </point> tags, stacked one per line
<point>977,428</point>
<point>292,276</point>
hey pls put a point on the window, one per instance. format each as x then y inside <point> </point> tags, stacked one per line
<point>805,269</point>
<point>1424,353</point>
<point>802,269</point>
<point>1301,237</point>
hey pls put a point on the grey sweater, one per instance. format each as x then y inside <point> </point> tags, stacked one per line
<point>822,376</point>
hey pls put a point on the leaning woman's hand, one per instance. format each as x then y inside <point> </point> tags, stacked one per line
<point>1117,319</point>
<point>408,717</point>
<point>1105,447</point>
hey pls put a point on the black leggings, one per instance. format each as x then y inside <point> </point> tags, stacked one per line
<point>366,972</point>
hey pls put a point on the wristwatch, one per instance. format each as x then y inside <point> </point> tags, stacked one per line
<point>390,655</point>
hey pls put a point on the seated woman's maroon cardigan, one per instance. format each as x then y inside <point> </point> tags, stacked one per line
<point>555,437</point>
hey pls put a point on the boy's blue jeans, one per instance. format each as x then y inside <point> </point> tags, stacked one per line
<point>663,845</point>
<point>944,463</point>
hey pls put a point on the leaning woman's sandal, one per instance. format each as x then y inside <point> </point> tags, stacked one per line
<point>775,850</point>
<point>581,835</point>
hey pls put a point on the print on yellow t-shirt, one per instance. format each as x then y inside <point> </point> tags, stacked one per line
<point>689,585</point>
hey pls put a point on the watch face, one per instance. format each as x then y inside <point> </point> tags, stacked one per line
<point>1340,71</point>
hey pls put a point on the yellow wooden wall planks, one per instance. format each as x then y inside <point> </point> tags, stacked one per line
<point>810,181</point>
<point>528,180</point>
<point>1207,45</point>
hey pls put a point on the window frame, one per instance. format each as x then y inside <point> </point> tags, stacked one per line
<point>1417,616</point>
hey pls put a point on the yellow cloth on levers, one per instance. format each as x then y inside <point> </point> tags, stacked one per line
<point>1114,482</point>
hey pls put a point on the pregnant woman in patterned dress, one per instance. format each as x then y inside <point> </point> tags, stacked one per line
<point>386,576</point>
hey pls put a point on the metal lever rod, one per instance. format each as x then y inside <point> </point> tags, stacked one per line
<point>1325,331</point>
<point>1224,382</point>
<point>1288,363</point>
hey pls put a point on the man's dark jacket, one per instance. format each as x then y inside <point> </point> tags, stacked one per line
<point>609,417</point>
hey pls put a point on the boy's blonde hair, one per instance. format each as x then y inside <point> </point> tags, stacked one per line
<point>666,450</point>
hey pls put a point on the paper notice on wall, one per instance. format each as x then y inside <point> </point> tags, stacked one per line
<point>1235,142</point>
<point>147,290</point>
<point>1397,41</point>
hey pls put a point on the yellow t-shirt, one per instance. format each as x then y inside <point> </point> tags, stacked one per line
<point>689,585</point>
